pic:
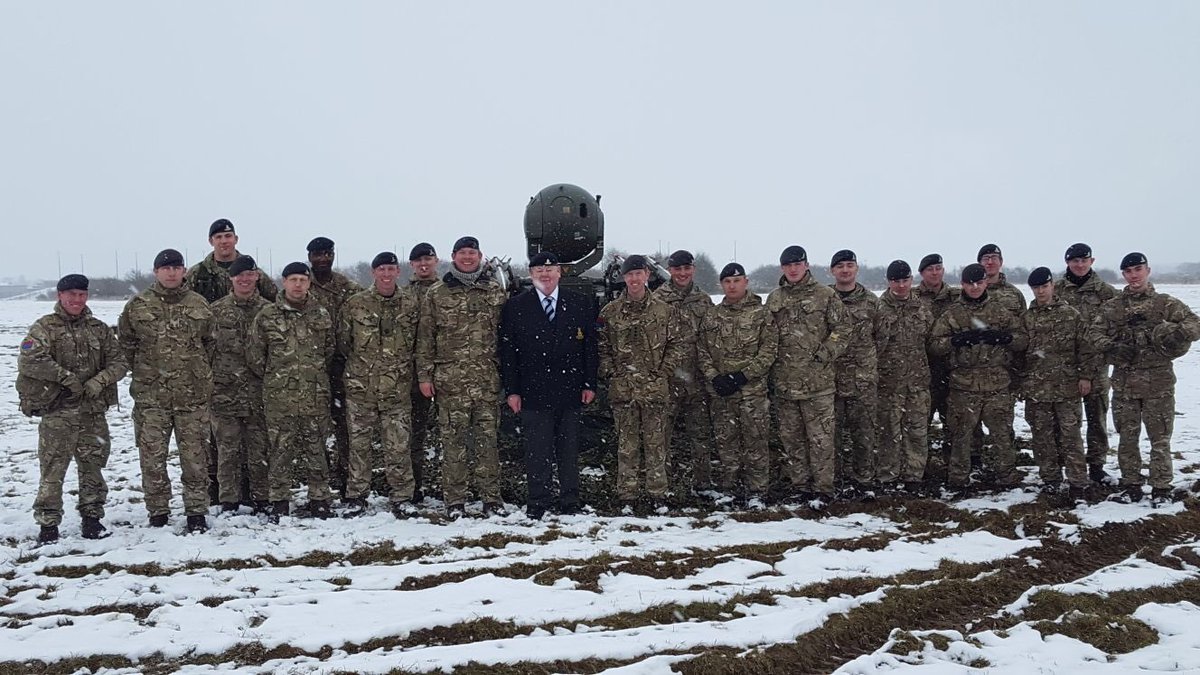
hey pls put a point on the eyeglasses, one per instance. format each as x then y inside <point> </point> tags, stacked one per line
<point>991,257</point>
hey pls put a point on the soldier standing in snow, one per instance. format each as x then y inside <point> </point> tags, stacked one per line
<point>857,375</point>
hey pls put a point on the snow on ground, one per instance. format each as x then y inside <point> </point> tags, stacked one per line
<point>157,593</point>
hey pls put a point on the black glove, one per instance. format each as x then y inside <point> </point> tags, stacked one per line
<point>724,385</point>
<point>965,338</point>
<point>995,337</point>
<point>1136,319</point>
<point>739,379</point>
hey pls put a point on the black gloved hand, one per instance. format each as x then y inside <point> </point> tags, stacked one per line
<point>965,338</point>
<point>724,385</point>
<point>1136,319</point>
<point>994,337</point>
<point>739,379</point>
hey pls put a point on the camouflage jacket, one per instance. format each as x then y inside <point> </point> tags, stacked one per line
<point>290,349</point>
<point>857,370</point>
<point>1158,327</point>
<point>418,288</point>
<point>1007,295</point>
<point>901,335</point>
<point>641,344</point>
<point>692,304</point>
<point>1061,352</point>
<point>456,337</point>
<point>211,280</point>
<point>813,326</point>
<point>59,346</point>
<point>168,339</point>
<point>333,294</point>
<point>1088,297</point>
<point>980,367</point>
<point>377,336</point>
<point>237,391</point>
<point>937,301</point>
<point>739,337</point>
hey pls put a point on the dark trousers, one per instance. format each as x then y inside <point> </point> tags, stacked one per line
<point>551,438</point>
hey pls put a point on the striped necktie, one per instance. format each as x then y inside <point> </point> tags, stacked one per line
<point>549,302</point>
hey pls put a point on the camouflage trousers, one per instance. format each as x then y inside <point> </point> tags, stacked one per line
<point>64,435</point>
<point>1158,416</point>
<point>854,422</point>
<point>153,427</point>
<point>903,448</point>
<point>1095,410</point>
<point>641,446</point>
<point>939,389</point>
<point>368,422</point>
<point>339,455</point>
<point>458,417</point>
<point>741,423</point>
<point>691,414</point>
<point>1057,444</point>
<point>423,417</point>
<point>292,439</point>
<point>993,409</point>
<point>806,429</point>
<point>241,441</point>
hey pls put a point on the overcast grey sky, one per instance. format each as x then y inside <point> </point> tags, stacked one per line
<point>892,128</point>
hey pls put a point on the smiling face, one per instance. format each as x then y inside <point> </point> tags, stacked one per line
<point>245,284</point>
<point>385,279</point>
<point>545,277</point>
<point>466,259</point>
<point>992,263</point>
<point>73,301</point>
<point>1080,266</point>
<point>900,287</point>
<point>635,282</point>
<point>224,245</point>
<point>681,275</point>
<point>845,273</point>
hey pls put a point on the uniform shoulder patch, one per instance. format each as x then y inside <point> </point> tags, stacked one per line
<point>27,344</point>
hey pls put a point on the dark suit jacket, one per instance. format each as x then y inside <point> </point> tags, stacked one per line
<point>548,365</point>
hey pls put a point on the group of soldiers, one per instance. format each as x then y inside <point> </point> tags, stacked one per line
<point>252,381</point>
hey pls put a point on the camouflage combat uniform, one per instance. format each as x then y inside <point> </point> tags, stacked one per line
<point>376,338</point>
<point>66,351</point>
<point>211,280</point>
<point>423,414</point>
<point>902,329</point>
<point>980,384</point>
<point>291,348</point>
<point>937,301</point>
<point>1143,333</point>
<point>168,338</point>
<point>741,337</point>
<point>856,377</point>
<point>1088,298</point>
<point>641,344</point>
<point>332,295</point>
<point>813,325</point>
<point>456,352</point>
<point>1061,352</point>
<point>1006,295</point>
<point>689,405</point>
<point>238,422</point>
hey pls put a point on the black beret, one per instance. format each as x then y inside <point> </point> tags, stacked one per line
<point>73,282</point>
<point>793,254</point>
<point>465,242</point>
<point>897,270</point>
<point>1132,259</point>
<point>296,268</point>
<point>732,270</point>
<point>634,262</point>
<point>421,250</point>
<point>1039,276</point>
<point>931,259</point>
<point>542,259</point>
<point>168,257</point>
<point>243,263</point>
<point>844,255</point>
<point>220,225</point>
<point>973,273</point>
<point>384,258</point>
<point>1079,250</point>
<point>680,258</point>
<point>988,249</point>
<point>320,244</point>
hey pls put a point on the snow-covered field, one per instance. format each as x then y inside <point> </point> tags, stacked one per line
<point>1007,582</point>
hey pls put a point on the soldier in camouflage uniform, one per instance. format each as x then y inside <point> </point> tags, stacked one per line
<point>999,290</point>
<point>332,289</point>
<point>457,363</point>
<point>813,325</point>
<point>738,341</point>
<point>642,341</point>
<point>856,375</point>
<point>1060,361</point>
<point>70,361</point>
<point>902,326</point>
<point>166,332</point>
<point>424,261</point>
<point>1144,330</point>
<point>377,332</point>
<point>979,335</point>
<point>292,342</point>
<point>689,402</point>
<point>936,295</point>
<point>1083,289</point>
<point>239,425</point>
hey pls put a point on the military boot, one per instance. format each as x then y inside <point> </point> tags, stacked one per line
<point>93,528</point>
<point>319,508</point>
<point>355,506</point>
<point>197,524</point>
<point>159,520</point>
<point>1097,474</point>
<point>229,507</point>
<point>48,534</point>
<point>279,508</point>
<point>261,506</point>
<point>1161,497</point>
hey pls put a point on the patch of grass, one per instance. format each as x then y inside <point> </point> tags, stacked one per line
<point>1111,634</point>
<point>871,542</point>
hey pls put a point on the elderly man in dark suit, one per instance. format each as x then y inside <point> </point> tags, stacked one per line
<point>548,364</point>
